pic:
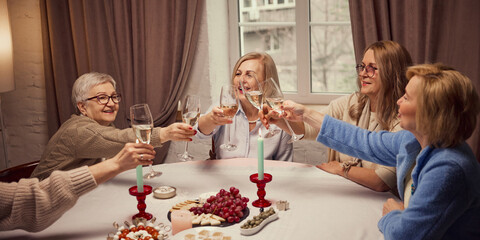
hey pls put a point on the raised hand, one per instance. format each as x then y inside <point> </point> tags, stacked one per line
<point>293,111</point>
<point>133,154</point>
<point>177,132</point>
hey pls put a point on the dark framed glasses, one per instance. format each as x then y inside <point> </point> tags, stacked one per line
<point>103,98</point>
<point>369,69</point>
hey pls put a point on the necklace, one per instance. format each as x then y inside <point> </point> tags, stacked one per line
<point>253,122</point>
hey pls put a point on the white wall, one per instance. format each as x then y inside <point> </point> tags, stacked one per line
<point>24,108</point>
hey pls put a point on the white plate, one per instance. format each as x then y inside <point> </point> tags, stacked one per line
<point>251,231</point>
<point>196,230</point>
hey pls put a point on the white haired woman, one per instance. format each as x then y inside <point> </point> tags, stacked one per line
<point>87,138</point>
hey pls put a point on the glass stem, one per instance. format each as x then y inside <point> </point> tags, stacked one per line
<point>186,149</point>
<point>151,167</point>
<point>290,128</point>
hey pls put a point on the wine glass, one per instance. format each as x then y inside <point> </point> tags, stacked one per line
<point>229,105</point>
<point>190,114</point>
<point>274,98</point>
<point>255,96</point>
<point>142,124</point>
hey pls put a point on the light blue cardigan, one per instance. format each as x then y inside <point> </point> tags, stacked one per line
<point>446,200</point>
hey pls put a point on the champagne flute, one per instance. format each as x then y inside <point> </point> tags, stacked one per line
<point>229,105</point>
<point>142,124</point>
<point>255,96</point>
<point>274,98</point>
<point>190,115</point>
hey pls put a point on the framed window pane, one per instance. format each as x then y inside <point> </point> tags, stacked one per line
<point>280,43</point>
<point>318,31</point>
<point>329,11</point>
<point>269,26</point>
<point>332,60</point>
<point>331,47</point>
<point>266,11</point>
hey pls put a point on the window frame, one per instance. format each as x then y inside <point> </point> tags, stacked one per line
<point>302,26</point>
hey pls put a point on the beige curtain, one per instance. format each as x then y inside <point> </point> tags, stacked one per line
<point>147,46</point>
<point>446,31</point>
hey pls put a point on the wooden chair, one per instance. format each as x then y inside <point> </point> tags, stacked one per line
<point>14,174</point>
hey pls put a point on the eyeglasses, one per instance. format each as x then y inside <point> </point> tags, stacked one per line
<point>370,69</point>
<point>103,99</point>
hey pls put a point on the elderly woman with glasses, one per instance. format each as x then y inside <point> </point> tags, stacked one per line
<point>88,138</point>
<point>438,175</point>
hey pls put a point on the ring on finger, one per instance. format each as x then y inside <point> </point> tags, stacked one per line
<point>141,157</point>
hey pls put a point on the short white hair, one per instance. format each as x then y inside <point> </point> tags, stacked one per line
<point>84,83</point>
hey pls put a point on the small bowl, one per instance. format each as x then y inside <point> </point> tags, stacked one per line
<point>164,192</point>
<point>251,231</point>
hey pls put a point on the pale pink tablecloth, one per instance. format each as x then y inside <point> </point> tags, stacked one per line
<point>322,205</point>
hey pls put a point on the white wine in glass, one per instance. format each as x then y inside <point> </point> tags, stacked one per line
<point>256,97</point>
<point>142,124</point>
<point>229,106</point>
<point>190,115</point>
<point>274,98</point>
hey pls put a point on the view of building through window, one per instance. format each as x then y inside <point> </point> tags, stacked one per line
<point>271,26</point>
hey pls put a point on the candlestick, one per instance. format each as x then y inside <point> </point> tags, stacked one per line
<point>141,206</point>
<point>139,178</point>
<point>261,202</point>
<point>260,154</point>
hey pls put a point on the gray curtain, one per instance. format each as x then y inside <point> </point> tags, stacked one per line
<point>146,46</point>
<point>446,31</point>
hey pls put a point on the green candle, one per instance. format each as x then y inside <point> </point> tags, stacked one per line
<point>260,155</point>
<point>139,178</point>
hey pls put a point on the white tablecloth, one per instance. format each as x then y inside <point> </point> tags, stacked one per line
<point>322,205</point>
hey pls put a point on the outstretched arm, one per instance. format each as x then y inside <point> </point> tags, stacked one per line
<point>33,205</point>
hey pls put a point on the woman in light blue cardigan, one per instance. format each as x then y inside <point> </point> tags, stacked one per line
<point>438,176</point>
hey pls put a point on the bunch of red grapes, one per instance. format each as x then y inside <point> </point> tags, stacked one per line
<point>226,204</point>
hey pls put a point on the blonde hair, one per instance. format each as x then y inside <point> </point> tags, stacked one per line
<point>392,60</point>
<point>447,104</point>
<point>269,67</point>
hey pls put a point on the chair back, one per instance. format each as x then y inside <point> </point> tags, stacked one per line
<point>14,174</point>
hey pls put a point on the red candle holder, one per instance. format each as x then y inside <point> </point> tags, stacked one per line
<point>261,202</point>
<point>141,206</point>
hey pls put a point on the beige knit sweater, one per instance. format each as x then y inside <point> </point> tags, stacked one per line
<point>82,141</point>
<point>338,109</point>
<point>33,206</point>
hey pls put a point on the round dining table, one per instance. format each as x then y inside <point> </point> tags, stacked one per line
<point>321,205</point>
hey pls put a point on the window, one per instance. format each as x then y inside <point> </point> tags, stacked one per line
<point>310,41</point>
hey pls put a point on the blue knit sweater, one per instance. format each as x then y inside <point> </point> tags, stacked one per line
<point>446,200</point>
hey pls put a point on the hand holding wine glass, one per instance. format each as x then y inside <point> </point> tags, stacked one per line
<point>142,124</point>
<point>190,115</point>
<point>254,92</point>
<point>274,98</point>
<point>229,105</point>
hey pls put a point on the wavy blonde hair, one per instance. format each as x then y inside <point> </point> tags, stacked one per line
<point>269,67</point>
<point>392,60</point>
<point>447,104</point>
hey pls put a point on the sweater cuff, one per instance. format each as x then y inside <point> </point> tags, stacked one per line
<point>310,132</point>
<point>82,180</point>
<point>156,140</point>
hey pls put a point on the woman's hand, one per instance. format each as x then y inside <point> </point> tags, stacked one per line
<point>332,167</point>
<point>269,116</point>
<point>293,111</point>
<point>131,155</point>
<point>177,132</point>
<point>208,122</point>
<point>134,154</point>
<point>217,117</point>
<point>391,205</point>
